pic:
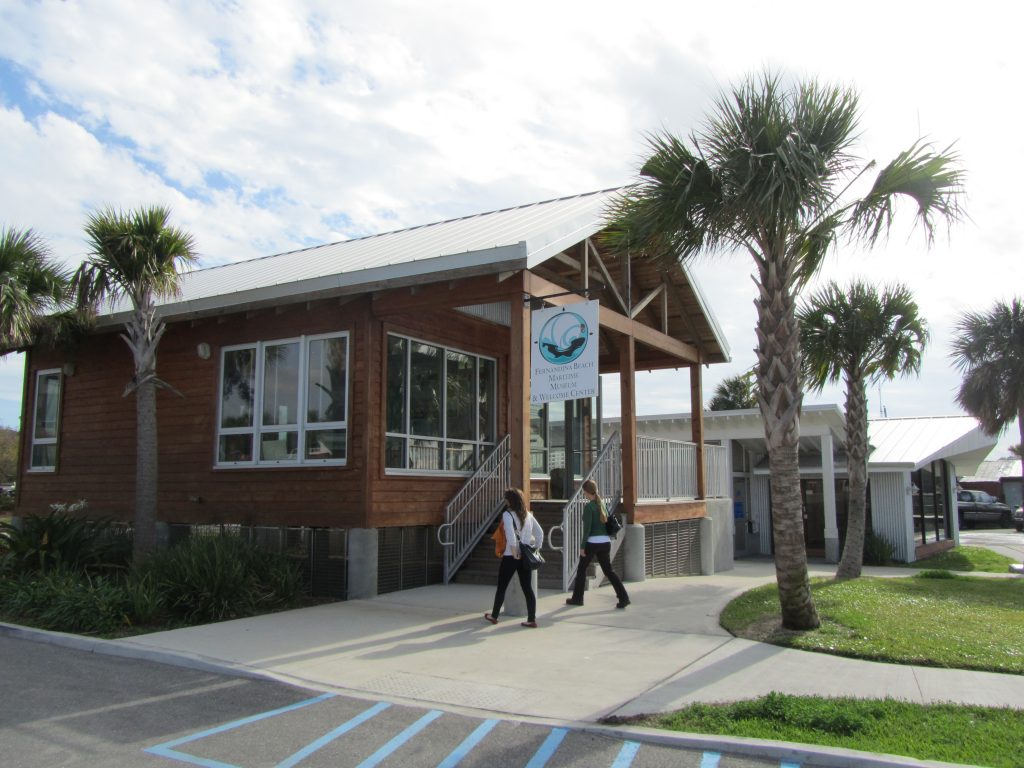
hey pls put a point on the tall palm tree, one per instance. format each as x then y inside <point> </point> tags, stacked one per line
<point>860,336</point>
<point>136,256</point>
<point>771,174</point>
<point>735,393</point>
<point>989,350</point>
<point>32,285</point>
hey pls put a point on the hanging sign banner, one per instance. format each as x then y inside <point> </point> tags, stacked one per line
<point>563,355</point>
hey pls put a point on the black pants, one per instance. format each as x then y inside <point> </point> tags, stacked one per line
<point>510,565</point>
<point>601,551</point>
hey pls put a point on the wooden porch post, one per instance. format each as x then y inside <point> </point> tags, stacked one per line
<point>627,387</point>
<point>697,424</point>
<point>519,394</point>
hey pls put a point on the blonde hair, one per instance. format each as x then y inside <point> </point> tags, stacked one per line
<point>589,486</point>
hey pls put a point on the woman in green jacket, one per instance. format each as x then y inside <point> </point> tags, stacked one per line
<point>595,543</point>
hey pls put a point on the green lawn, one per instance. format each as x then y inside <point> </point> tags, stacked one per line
<point>965,559</point>
<point>946,732</point>
<point>954,621</point>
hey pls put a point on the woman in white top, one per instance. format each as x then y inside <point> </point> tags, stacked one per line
<point>519,524</point>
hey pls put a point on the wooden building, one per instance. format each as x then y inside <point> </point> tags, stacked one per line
<point>338,398</point>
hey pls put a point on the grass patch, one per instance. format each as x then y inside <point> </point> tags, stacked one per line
<point>965,559</point>
<point>946,732</point>
<point>959,622</point>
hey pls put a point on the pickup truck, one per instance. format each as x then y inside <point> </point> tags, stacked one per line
<point>981,507</point>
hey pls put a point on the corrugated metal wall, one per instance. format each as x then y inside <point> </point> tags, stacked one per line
<point>672,548</point>
<point>408,557</point>
<point>890,517</point>
<point>760,512</point>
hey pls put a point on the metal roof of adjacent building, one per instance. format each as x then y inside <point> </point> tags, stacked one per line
<point>996,470</point>
<point>910,443</point>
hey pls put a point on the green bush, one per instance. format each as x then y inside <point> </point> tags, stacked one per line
<point>62,540</point>
<point>67,601</point>
<point>877,550</point>
<point>212,578</point>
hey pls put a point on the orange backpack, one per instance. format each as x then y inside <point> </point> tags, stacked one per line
<point>500,541</point>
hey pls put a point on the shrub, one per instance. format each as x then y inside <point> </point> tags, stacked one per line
<point>63,540</point>
<point>877,550</point>
<point>212,578</point>
<point>67,601</point>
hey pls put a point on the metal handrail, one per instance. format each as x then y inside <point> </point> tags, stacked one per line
<point>472,509</point>
<point>607,473</point>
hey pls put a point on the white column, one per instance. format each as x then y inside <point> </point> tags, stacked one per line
<point>828,482</point>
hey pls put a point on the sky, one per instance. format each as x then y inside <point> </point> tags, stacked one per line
<point>271,125</point>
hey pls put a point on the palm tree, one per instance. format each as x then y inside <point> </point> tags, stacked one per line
<point>735,393</point>
<point>771,174</point>
<point>989,350</point>
<point>32,285</point>
<point>860,336</point>
<point>135,256</point>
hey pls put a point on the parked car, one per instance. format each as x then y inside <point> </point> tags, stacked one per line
<point>981,507</point>
<point>1018,518</point>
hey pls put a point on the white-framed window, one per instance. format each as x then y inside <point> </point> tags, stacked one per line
<point>45,421</point>
<point>440,408</point>
<point>284,402</point>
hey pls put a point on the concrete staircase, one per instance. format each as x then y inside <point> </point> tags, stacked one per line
<point>481,567</point>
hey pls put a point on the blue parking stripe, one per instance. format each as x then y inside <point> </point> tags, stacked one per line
<point>789,765</point>
<point>377,757</point>
<point>327,738</point>
<point>467,745</point>
<point>626,754</point>
<point>167,748</point>
<point>710,760</point>
<point>547,749</point>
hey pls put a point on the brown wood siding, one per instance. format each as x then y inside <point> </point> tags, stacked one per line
<point>658,512</point>
<point>96,451</point>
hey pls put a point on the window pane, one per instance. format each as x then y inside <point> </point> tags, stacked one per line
<point>460,457</point>
<point>279,446</point>
<point>236,399</point>
<point>487,399</point>
<point>396,421</point>
<point>325,390</point>
<point>460,403</point>
<point>425,381</point>
<point>234,448</point>
<point>280,384</point>
<point>425,454</point>
<point>44,455</point>
<point>394,453</point>
<point>47,400</point>
<point>325,444</point>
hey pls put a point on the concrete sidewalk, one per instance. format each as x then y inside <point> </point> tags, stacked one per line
<point>666,650</point>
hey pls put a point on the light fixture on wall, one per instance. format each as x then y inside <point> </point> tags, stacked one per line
<point>203,350</point>
<point>68,369</point>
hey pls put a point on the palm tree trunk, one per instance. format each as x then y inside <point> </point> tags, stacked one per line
<point>851,562</point>
<point>144,534</point>
<point>780,397</point>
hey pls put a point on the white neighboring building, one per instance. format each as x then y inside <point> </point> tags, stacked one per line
<point>912,471</point>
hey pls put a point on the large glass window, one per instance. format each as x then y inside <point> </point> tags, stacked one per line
<point>440,407</point>
<point>45,421</point>
<point>300,400</point>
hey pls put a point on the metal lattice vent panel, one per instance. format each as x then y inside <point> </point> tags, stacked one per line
<point>672,548</point>
<point>407,558</point>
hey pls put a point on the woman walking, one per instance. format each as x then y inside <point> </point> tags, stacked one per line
<point>518,523</point>
<point>595,543</point>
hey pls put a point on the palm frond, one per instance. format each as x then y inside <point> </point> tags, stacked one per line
<point>929,178</point>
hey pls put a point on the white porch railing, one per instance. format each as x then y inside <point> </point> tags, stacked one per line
<point>716,472</point>
<point>607,473</point>
<point>474,507</point>
<point>667,469</point>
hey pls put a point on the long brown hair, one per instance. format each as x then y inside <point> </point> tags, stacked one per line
<point>591,487</point>
<point>515,501</point>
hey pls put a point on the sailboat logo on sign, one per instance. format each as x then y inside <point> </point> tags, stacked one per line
<point>563,338</point>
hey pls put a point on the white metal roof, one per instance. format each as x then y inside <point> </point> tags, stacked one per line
<point>911,443</point>
<point>509,239</point>
<point>996,469</point>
